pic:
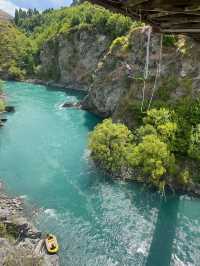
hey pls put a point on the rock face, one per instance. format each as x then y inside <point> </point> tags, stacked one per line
<point>113,72</point>
<point>10,109</point>
<point>119,77</point>
<point>121,72</point>
<point>71,105</point>
<point>22,244</point>
<point>72,58</point>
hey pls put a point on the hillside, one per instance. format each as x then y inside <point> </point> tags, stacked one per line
<point>15,52</point>
<point>80,35</point>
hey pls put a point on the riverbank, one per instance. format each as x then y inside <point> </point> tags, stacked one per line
<point>97,221</point>
<point>191,189</point>
<point>71,86</point>
<point>131,176</point>
<point>20,241</point>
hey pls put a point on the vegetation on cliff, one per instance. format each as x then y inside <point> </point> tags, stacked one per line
<point>23,39</point>
<point>16,52</point>
<point>152,152</point>
<point>53,22</point>
<point>2,101</point>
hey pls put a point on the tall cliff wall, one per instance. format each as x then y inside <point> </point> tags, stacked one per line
<point>119,78</point>
<point>113,73</point>
<point>72,58</point>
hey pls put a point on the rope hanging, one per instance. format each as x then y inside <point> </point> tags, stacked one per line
<point>157,71</point>
<point>146,69</point>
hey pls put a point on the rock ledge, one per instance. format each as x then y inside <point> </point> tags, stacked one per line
<point>22,243</point>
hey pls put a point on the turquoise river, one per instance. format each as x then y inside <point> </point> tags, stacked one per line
<point>99,222</point>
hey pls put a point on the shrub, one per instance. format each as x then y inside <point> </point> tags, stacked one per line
<point>189,109</point>
<point>167,86</point>
<point>144,131</point>
<point>2,106</point>
<point>167,131</point>
<point>187,117</point>
<point>16,53</point>
<point>118,25</point>
<point>162,121</point>
<point>109,144</point>
<point>156,117</point>
<point>15,72</point>
<point>169,40</point>
<point>184,177</point>
<point>119,41</point>
<point>194,146</point>
<point>114,147</point>
<point>3,231</point>
<point>2,103</point>
<point>1,86</point>
<point>75,20</point>
<point>154,157</point>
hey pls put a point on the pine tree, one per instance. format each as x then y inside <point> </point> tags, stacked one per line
<point>16,18</point>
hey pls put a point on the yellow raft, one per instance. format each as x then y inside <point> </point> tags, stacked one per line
<point>51,244</point>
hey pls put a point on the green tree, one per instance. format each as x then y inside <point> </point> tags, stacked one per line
<point>16,18</point>
<point>154,158</point>
<point>109,144</point>
<point>194,146</point>
<point>2,102</point>
<point>162,120</point>
<point>16,52</point>
<point>30,12</point>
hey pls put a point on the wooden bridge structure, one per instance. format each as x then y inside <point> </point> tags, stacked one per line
<point>167,16</point>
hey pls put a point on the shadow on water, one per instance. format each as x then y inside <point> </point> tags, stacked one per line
<point>91,120</point>
<point>165,229</point>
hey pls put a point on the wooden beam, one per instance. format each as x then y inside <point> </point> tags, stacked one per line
<point>171,13</point>
<point>180,30</point>
<point>178,22</point>
<point>132,4</point>
<point>168,16</point>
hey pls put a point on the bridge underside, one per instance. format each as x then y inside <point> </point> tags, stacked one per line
<point>168,16</point>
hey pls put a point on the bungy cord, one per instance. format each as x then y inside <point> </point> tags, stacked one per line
<point>146,69</point>
<point>157,71</point>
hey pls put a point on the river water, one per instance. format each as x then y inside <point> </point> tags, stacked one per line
<point>99,222</point>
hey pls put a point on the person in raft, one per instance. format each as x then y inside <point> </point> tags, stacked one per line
<point>50,238</point>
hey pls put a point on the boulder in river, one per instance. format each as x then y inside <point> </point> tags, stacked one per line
<point>10,109</point>
<point>69,105</point>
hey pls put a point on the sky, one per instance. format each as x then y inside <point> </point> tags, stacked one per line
<point>10,5</point>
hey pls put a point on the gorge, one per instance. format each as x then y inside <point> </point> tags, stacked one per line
<point>147,84</point>
<point>98,221</point>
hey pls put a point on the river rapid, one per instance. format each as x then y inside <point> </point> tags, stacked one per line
<point>98,222</point>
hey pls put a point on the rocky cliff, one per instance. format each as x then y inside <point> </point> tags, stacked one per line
<point>20,242</point>
<point>118,81</point>
<point>113,71</point>
<point>71,58</point>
